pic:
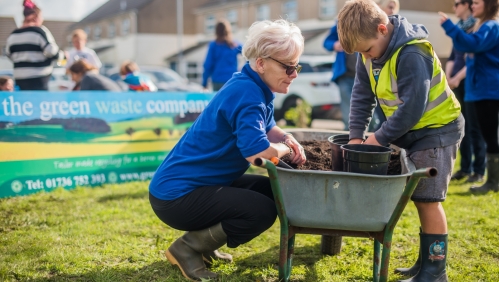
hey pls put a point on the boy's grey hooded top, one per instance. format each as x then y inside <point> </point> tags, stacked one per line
<point>414,73</point>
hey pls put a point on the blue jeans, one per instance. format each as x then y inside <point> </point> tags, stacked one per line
<point>345,84</point>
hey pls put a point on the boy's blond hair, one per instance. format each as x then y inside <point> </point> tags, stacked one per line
<point>79,33</point>
<point>358,20</point>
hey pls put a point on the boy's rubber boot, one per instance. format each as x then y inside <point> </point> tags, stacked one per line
<point>413,270</point>
<point>433,258</point>
<point>492,183</point>
<point>186,251</point>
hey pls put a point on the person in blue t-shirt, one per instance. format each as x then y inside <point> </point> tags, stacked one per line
<point>201,186</point>
<point>473,147</point>
<point>482,78</point>
<point>221,59</point>
<point>344,68</point>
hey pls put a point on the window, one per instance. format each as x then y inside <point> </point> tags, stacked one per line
<point>232,18</point>
<point>290,10</point>
<point>193,71</point>
<point>263,12</point>
<point>209,24</point>
<point>87,30</point>
<point>97,32</point>
<point>125,26</point>
<point>327,8</point>
<point>111,30</point>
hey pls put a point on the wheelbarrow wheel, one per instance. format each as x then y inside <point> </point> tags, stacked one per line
<point>331,245</point>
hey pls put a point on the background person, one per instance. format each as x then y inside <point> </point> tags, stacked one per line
<point>80,51</point>
<point>473,143</point>
<point>221,59</point>
<point>32,49</point>
<point>6,84</point>
<point>87,77</point>
<point>134,80</point>
<point>219,203</point>
<point>400,69</point>
<point>345,64</point>
<point>482,78</point>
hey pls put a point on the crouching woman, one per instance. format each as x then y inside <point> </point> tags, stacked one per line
<point>201,186</point>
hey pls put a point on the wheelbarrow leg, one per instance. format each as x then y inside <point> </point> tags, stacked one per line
<point>376,260</point>
<point>385,259</point>
<point>291,250</point>
<point>283,258</point>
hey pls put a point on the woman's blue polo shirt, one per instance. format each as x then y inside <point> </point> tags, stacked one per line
<point>213,151</point>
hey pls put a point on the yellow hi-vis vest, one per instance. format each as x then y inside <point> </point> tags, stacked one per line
<point>442,106</point>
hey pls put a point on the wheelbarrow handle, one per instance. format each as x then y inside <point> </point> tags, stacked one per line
<point>428,172</point>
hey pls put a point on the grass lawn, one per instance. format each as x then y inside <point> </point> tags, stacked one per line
<point>111,234</point>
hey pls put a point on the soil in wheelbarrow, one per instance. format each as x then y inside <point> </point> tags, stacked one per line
<point>319,158</point>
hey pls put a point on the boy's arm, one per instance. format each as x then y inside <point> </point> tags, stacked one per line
<point>414,73</point>
<point>362,102</point>
<point>331,39</point>
<point>482,40</point>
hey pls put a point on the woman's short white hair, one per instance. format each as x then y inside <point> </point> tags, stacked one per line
<point>268,38</point>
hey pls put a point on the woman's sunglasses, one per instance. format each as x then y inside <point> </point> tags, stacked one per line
<point>289,69</point>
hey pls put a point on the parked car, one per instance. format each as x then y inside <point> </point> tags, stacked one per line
<point>314,86</point>
<point>60,81</point>
<point>164,78</point>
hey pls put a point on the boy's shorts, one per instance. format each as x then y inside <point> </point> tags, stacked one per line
<point>434,189</point>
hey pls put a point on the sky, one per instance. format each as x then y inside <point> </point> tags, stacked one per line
<point>67,10</point>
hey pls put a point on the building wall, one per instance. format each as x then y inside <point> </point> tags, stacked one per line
<point>160,16</point>
<point>428,5</point>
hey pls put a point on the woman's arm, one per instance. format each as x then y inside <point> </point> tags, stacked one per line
<point>480,41</point>
<point>208,66</point>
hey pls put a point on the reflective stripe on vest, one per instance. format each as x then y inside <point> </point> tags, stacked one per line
<point>442,106</point>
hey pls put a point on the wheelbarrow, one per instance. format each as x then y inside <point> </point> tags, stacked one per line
<point>340,204</point>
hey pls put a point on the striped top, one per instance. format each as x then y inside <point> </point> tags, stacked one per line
<point>32,50</point>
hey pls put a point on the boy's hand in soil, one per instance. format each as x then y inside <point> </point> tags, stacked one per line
<point>371,140</point>
<point>355,141</point>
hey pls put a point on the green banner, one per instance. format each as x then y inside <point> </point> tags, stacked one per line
<point>50,140</point>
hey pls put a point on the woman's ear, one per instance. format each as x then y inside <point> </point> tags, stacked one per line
<point>260,65</point>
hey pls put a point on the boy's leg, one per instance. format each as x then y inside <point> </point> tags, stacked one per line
<point>432,217</point>
<point>427,197</point>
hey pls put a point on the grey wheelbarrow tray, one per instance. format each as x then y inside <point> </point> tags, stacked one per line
<point>340,204</point>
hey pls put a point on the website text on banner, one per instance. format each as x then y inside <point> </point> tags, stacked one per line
<point>50,140</point>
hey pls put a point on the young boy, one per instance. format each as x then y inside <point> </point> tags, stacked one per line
<point>398,69</point>
<point>80,51</point>
<point>6,84</point>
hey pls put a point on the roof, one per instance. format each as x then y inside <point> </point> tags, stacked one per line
<point>187,51</point>
<point>113,7</point>
<point>59,31</point>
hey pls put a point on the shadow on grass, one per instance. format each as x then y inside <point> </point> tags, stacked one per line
<point>157,271</point>
<point>303,256</point>
<point>116,197</point>
<point>244,270</point>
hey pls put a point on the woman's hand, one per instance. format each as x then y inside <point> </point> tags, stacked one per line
<point>443,17</point>
<point>453,82</point>
<point>298,156</point>
<point>337,47</point>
